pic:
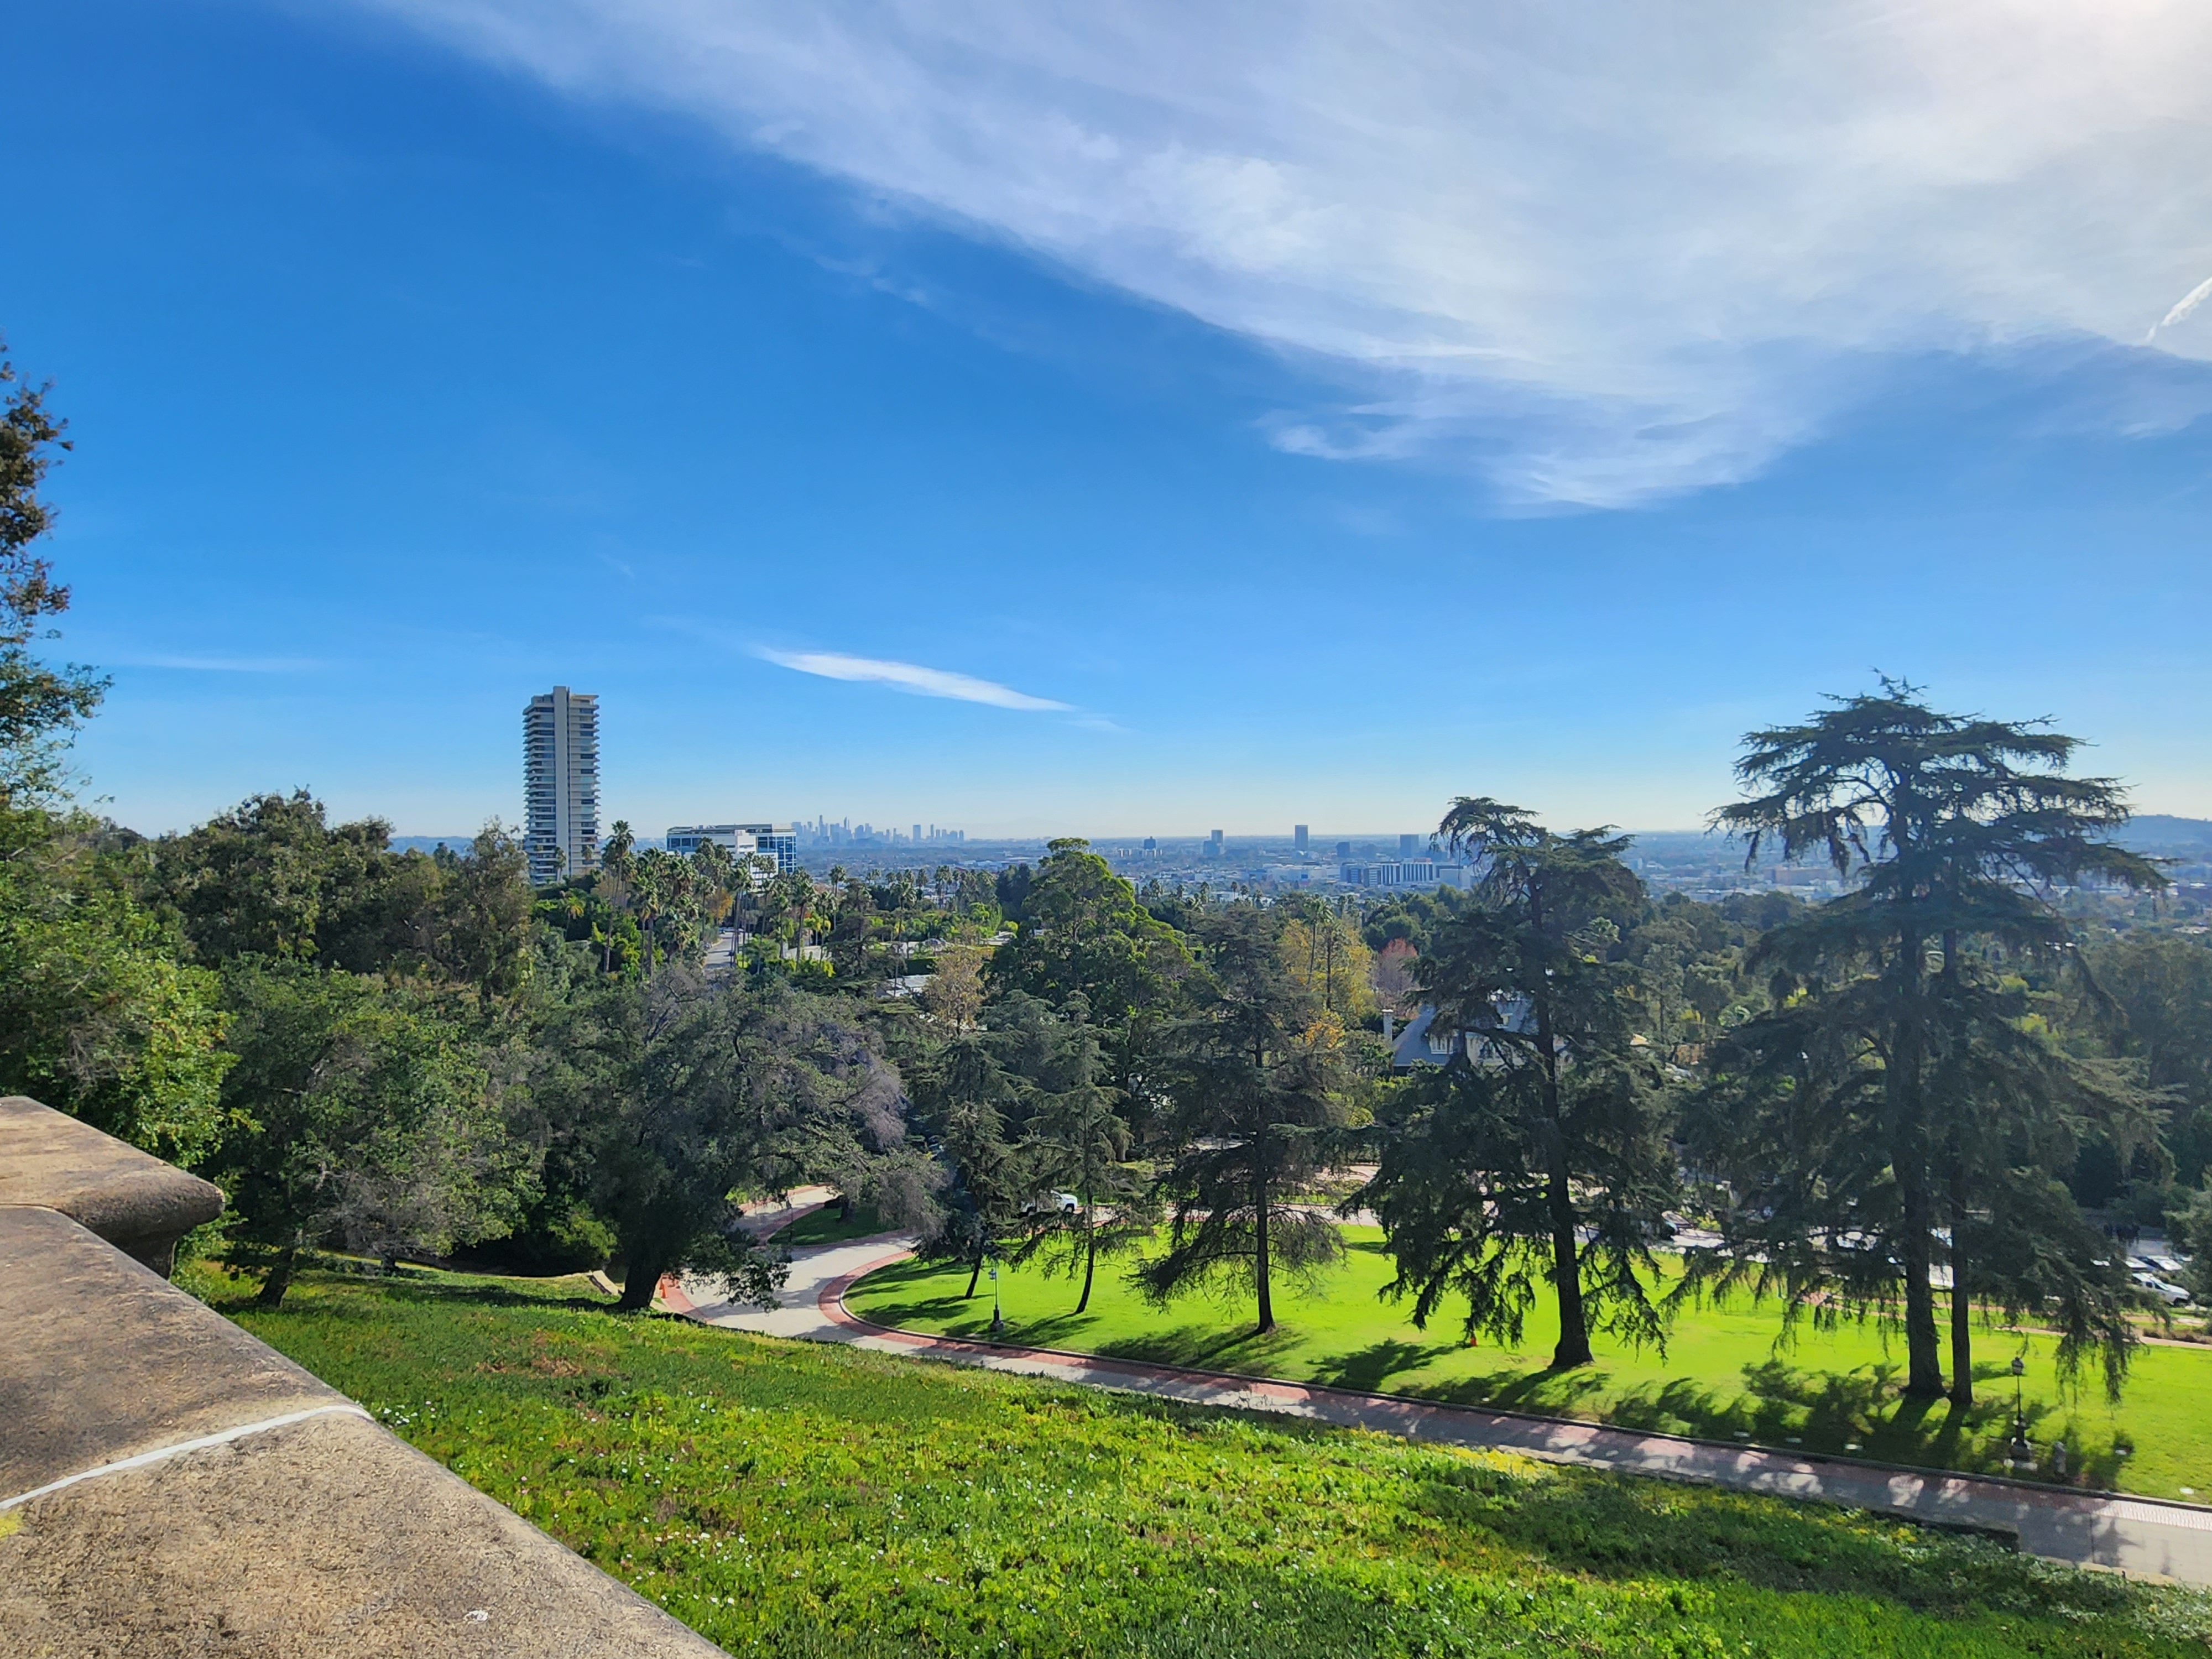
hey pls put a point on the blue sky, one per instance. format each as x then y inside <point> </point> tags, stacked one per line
<point>960,415</point>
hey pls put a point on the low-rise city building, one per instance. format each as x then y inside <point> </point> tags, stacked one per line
<point>779,841</point>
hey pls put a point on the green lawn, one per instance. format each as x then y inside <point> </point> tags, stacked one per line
<point>1720,1376</point>
<point>823,1226</point>
<point>805,1500</point>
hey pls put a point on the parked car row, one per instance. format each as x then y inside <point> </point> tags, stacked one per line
<point>2151,1274</point>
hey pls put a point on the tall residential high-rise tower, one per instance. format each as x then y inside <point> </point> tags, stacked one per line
<point>560,784</point>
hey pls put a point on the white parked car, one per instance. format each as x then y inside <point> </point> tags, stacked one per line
<point>2164,1289</point>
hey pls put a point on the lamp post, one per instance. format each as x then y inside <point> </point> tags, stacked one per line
<point>998,1320</point>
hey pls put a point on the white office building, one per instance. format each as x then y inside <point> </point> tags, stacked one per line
<point>779,841</point>
<point>686,839</point>
<point>1403,872</point>
<point>560,784</point>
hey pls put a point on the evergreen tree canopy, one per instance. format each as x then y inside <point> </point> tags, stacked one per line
<point>962,1098</point>
<point>1537,1155</point>
<point>691,1096</point>
<point>1257,1075</point>
<point>1084,934</point>
<point>1897,1105</point>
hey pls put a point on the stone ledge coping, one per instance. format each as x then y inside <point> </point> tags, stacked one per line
<point>105,1359</point>
<point>324,1539</point>
<point>49,1160</point>
<point>170,1484</point>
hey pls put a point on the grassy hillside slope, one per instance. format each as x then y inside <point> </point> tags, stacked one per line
<point>794,1499</point>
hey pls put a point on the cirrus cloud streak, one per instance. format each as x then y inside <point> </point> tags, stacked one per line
<point>1599,253</point>
<point>908,676</point>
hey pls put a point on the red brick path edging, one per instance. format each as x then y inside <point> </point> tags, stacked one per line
<point>831,1301</point>
<point>2054,1521</point>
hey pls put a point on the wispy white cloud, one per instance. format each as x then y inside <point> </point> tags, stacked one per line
<point>217,664</point>
<point>1601,253</point>
<point>2184,307</point>
<point>908,676</point>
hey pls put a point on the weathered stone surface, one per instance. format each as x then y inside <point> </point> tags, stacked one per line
<point>102,1360</point>
<point>132,1199</point>
<point>325,1538</point>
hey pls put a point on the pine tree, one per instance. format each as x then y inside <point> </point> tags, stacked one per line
<point>1537,1156</point>
<point>1077,1142</point>
<point>1258,1076</point>
<point>1891,1109</point>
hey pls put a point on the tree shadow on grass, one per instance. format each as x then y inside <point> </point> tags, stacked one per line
<point>1536,1389</point>
<point>496,1296</point>
<point>1371,1368</point>
<point>1629,1528</point>
<point>1856,1414</point>
<point>1778,1405</point>
<point>1240,1348</point>
<point>409,1289</point>
<point>405,1281</point>
<point>967,1319</point>
<point>956,1316</point>
<point>1862,1413</point>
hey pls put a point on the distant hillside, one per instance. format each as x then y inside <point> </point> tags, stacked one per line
<point>2164,836</point>
<point>430,843</point>
<point>460,844</point>
<point>2153,832</point>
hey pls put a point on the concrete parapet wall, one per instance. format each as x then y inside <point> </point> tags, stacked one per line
<point>170,1485</point>
<point>142,1207</point>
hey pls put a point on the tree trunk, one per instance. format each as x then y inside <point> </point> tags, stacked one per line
<point>1090,1254</point>
<point>1574,1347</point>
<point>1962,1310</point>
<point>1910,1163</point>
<point>1923,1362</point>
<point>639,1281</point>
<point>1962,1340</point>
<point>974,1273</point>
<point>1962,1334</point>
<point>1267,1302</point>
<point>272,1294</point>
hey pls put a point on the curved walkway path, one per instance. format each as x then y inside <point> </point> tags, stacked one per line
<point>2146,1536</point>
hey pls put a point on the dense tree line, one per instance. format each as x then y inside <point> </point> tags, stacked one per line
<point>1924,1100</point>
